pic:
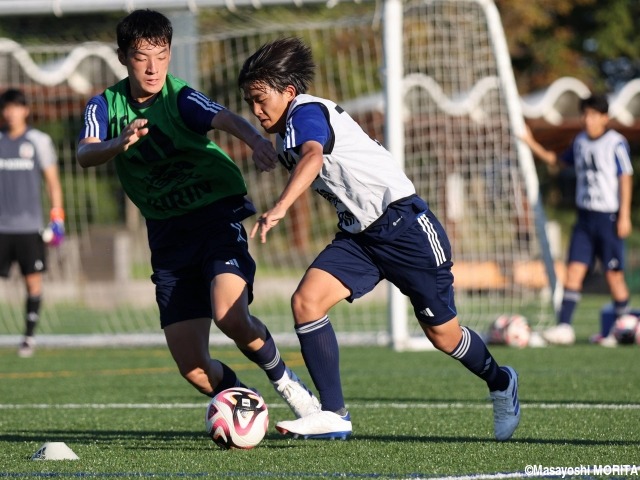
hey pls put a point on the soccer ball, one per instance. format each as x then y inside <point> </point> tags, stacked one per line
<point>518,332</point>
<point>237,418</point>
<point>624,329</point>
<point>496,330</point>
<point>511,330</point>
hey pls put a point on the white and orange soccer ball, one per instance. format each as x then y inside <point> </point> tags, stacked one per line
<point>512,330</point>
<point>237,418</point>
<point>625,329</point>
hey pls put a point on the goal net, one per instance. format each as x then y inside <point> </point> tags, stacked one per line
<point>459,148</point>
<point>460,117</point>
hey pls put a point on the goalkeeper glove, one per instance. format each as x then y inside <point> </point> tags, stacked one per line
<point>54,233</point>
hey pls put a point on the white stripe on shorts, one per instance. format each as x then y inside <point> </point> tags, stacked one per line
<point>433,239</point>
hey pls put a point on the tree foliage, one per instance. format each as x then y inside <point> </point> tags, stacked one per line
<point>593,40</point>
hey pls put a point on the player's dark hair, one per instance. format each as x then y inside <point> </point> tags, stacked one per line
<point>278,64</point>
<point>597,102</point>
<point>141,25</point>
<point>13,95</point>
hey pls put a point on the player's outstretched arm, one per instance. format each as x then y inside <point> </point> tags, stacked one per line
<point>92,151</point>
<point>547,156</point>
<point>264,155</point>
<point>303,175</point>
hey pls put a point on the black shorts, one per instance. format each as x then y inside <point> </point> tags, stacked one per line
<point>187,252</point>
<point>25,248</point>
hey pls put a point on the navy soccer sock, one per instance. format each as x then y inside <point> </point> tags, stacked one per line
<point>268,359</point>
<point>473,354</point>
<point>621,307</point>
<point>319,347</point>
<point>229,380</point>
<point>569,301</point>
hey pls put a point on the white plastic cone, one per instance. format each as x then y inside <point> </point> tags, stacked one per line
<point>54,451</point>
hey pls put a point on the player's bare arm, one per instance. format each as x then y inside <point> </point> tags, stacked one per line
<point>264,155</point>
<point>300,180</point>
<point>92,151</point>
<point>54,188</point>
<point>624,214</point>
<point>547,156</point>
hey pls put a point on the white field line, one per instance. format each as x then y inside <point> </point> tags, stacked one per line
<point>478,476</point>
<point>376,405</point>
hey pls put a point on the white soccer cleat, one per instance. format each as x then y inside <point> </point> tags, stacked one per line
<point>609,341</point>
<point>299,398</point>
<point>27,347</point>
<point>536,340</point>
<point>506,408</point>
<point>323,425</point>
<point>561,334</point>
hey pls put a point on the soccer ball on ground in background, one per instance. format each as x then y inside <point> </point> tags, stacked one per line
<point>512,330</point>
<point>625,328</point>
<point>518,332</point>
<point>237,418</point>
<point>495,336</point>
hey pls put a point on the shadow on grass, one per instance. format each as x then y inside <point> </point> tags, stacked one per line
<point>161,440</point>
<point>440,403</point>
<point>515,441</point>
<point>139,439</point>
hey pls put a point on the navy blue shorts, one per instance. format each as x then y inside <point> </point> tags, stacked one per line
<point>595,236</point>
<point>25,248</point>
<point>407,246</point>
<point>188,251</point>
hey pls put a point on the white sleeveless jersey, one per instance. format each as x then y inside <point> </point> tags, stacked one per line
<point>598,163</point>
<point>358,176</point>
<point>22,160</point>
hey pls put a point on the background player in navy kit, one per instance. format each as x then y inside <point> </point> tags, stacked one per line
<point>386,231</point>
<point>27,155</point>
<point>192,195</point>
<point>601,159</point>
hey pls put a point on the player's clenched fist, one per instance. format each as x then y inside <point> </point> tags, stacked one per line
<point>264,155</point>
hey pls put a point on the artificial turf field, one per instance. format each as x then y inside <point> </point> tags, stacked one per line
<point>126,413</point>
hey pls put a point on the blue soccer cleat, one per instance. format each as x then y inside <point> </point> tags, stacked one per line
<point>506,408</point>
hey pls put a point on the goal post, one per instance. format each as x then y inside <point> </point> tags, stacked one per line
<point>394,134</point>
<point>448,77</point>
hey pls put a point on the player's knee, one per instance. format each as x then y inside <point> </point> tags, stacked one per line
<point>303,307</point>
<point>444,337</point>
<point>197,377</point>
<point>242,329</point>
<point>614,275</point>
<point>190,374</point>
<point>444,343</point>
<point>191,360</point>
<point>297,303</point>
<point>617,283</point>
<point>230,326</point>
